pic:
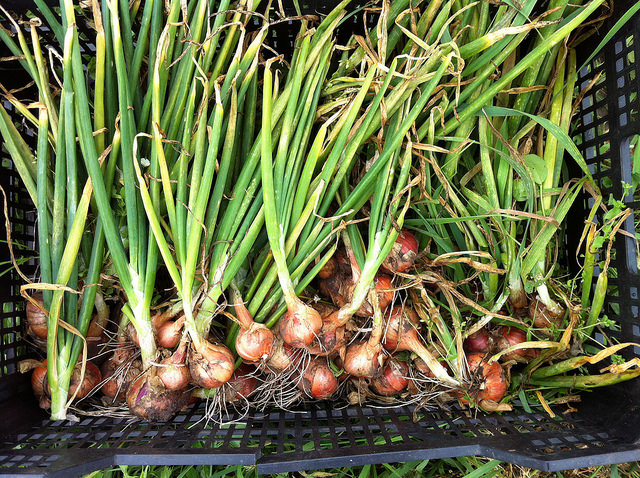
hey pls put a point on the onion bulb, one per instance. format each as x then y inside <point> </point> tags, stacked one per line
<point>254,341</point>
<point>510,336</point>
<point>332,336</point>
<point>173,370</point>
<point>242,384</point>
<point>542,317</point>
<point>300,326</point>
<point>168,333</point>
<point>318,381</point>
<point>118,372</point>
<point>479,341</point>
<point>148,398</point>
<point>36,317</point>
<point>210,365</point>
<point>363,359</point>
<point>490,382</point>
<point>393,379</point>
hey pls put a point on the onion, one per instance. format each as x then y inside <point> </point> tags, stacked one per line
<point>490,382</point>
<point>117,376</point>
<point>479,341</point>
<point>168,333</point>
<point>423,368</point>
<point>510,336</point>
<point>96,338</point>
<point>241,385</point>
<point>39,379</point>
<point>318,381</point>
<point>393,378</point>
<point>36,317</point>
<point>543,317</point>
<point>332,336</point>
<point>403,254</point>
<point>402,334</point>
<point>363,359</point>
<point>300,326</point>
<point>132,334</point>
<point>91,380</point>
<point>210,365</point>
<point>340,290</point>
<point>148,398</point>
<point>254,341</point>
<point>282,356</point>
<point>173,371</point>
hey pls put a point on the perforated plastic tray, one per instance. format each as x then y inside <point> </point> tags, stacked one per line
<point>604,430</point>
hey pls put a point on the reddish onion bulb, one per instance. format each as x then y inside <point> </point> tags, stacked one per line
<point>211,365</point>
<point>242,384</point>
<point>318,381</point>
<point>148,398</point>
<point>117,380</point>
<point>393,379</point>
<point>168,334</point>
<point>36,318</point>
<point>92,378</point>
<point>173,371</point>
<point>39,379</point>
<point>479,341</point>
<point>254,342</point>
<point>363,360</point>
<point>300,326</point>
<point>510,336</point>
<point>403,254</point>
<point>492,380</point>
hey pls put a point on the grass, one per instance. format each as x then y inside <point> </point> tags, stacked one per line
<point>467,467</point>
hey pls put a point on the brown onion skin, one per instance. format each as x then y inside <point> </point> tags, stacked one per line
<point>149,399</point>
<point>300,327</point>
<point>493,382</point>
<point>211,366</point>
<point>393,379</point>
<point>255,344</point>
<point>318,381</point>
<point>479,341</point>
<point>96,340</point>
<point>542,317</point>
<point>404,253</point>
<point>423,368</point>
<point>363,360</point>
<point>168,334</point>
<point>36,318</point>
<point>132,334</point>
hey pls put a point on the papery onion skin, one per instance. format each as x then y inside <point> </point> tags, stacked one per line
<point>393,379</point>
<point>92,378</point>
<point>401,329</point>
<point>332,336</point>
<point>510,336</point>
<point>115,384</point>
<point>318,381</point>
<point>493,383</point>
<point>39,379</point>
<point>210,366</point>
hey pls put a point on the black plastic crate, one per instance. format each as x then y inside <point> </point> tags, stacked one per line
<point>604,430</point>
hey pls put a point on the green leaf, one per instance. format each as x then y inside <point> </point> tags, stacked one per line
<point>537,166</point>
<point>554,129</point>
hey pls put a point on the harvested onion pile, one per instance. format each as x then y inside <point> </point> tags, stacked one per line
<point>372,221</point>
